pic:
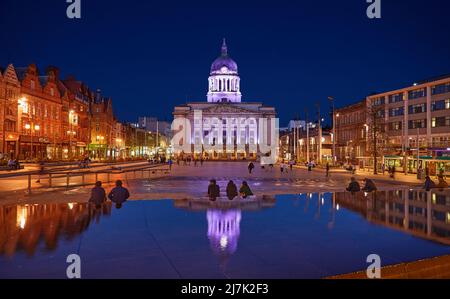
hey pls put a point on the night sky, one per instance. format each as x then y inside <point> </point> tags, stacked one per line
<point>152,55</point>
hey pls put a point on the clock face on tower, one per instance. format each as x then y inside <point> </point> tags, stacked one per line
<point>224,69</point>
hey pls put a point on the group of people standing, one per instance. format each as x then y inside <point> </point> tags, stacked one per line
<point>186,161</point>
<point>232,191</point>
<point>118,195</point>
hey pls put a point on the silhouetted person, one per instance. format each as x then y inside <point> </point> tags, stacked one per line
<point>213,190</point>
<point>119,194</point>
<point>245,190</point>
<point>98,194</point>
<point>250,167</point>
<point>429,184</point>
<point>327,174</point>
<point>232,191</point>
<point>442,184</point>
<point>353,186</point>
<point>369,186</point>
<point>393,172</point>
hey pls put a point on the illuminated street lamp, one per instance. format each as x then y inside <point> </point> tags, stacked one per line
<point>36,129</point>
<point>70,133</point>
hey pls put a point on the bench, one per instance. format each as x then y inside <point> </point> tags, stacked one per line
<point>7,168</point>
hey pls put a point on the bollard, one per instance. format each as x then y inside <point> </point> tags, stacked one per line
<point>67,180</point>
<point>96,177</point>
<point>29,184</point>
<point>49,180</point>
<point>82,179</point>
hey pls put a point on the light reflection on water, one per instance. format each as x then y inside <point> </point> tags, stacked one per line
<point>287,233</point>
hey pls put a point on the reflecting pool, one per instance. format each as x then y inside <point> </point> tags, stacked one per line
<point>310,235</point>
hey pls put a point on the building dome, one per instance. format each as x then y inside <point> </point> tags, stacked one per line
<point>224,61</point>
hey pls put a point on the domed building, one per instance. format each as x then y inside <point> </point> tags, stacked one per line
<point>223,127</point>
<point>224,81</point>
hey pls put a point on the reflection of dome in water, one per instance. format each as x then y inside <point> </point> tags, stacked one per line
<point>223,231</point>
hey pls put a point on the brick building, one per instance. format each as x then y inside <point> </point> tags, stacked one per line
<point>9,97</point>
<point>352,134</point>
<point>39,114</point>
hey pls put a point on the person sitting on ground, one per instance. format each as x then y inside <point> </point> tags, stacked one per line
<point>429,184</point>
<point>369,186</point>
<point>245,190</point>
<point>213,190</point>
<point>98,195</point>
<point>16,164</point>
<point>231,190</point>
<point>442,184</point>
<point>119,194</point>
<point>11,164</point>
<point>353,186</point>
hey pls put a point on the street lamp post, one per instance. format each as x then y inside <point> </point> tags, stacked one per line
<point>331,99</point>
<point>28,127</point>
<point>307,142</point>
<point>418,152</point>
<point>319,133</point>
<point>71,112</point>
<point>36,128</point>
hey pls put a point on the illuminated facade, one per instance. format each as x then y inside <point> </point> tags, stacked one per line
<point>39,114</point>
<point>9,98</point>
<point>43,117</point>
<point>223,128</point>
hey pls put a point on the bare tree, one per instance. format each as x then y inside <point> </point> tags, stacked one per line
<point>376,116</point>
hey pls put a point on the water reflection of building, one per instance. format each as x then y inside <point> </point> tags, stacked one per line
<point>223,231</point>
<point>201,204</point>
<point>224,219</point>
<point>24,227</point>
<point>420,213</point>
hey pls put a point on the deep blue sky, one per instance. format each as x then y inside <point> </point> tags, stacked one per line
<point>151,55</point>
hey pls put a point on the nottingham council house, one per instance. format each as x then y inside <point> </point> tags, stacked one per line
<point>223,127</point>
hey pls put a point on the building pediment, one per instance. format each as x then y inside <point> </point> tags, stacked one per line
<point>226,109</point>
